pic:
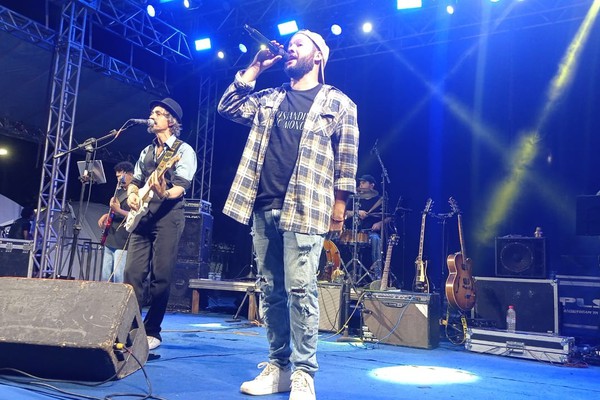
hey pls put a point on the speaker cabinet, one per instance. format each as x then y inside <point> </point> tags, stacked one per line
<point>180,295</point>
<point>401,318</point>
<point>196,240</point>
<point>330,303</point>
<point>14,257</point>
<point>521,257</point>
<point>535,301</point>
<point>65,329</point>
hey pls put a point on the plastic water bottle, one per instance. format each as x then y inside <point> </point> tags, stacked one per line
<point>511,319</point>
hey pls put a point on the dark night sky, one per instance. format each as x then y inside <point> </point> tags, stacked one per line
<point>448,119</point>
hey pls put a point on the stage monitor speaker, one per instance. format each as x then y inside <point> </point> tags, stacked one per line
<point>65,329</point>
<point>521,257</point>
<point>535,301</point>
<point>330,303</point>
<point>196,240</point>
<point>401,318</point>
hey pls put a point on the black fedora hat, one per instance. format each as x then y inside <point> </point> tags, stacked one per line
<point>171,106</point>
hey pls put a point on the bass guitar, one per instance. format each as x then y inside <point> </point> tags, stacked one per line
<point>146,194</point>
<point>383,283</point>
<point>421,282</point>
<point>460,285</point>
<point>111,213</point>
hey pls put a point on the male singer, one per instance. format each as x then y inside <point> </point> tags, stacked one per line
<point>296,172</point>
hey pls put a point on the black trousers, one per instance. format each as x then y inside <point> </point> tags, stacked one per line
<point>152,253</point>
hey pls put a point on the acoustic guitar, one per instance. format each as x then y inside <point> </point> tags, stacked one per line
<point>421,282</point>
<point>460,285</point>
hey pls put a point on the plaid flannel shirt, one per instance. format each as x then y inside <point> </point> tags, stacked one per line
<point>327,155</point>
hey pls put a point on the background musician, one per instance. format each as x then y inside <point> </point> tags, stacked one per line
<point>115,253</point>
<point>369,220</point>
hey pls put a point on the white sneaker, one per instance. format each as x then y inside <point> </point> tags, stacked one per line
<point>153,342</point>
<point>271,380</point>
<point>303,386</point>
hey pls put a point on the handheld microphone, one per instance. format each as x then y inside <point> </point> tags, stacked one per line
<point>262,39</point>
<point>148,122</point>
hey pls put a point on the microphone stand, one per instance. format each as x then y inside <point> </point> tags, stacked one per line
<point>90,147</point>
<point>385,178</point>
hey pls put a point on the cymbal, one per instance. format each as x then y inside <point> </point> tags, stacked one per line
<point>367,194</point>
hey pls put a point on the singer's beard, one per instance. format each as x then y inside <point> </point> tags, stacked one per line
<point>302,67</point>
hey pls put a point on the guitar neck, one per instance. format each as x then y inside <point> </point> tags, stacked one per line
<point>422,237</point>
<point>461,238</point>
<point>388,259</point>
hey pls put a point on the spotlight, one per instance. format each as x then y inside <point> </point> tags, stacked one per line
<point>202,44</point>
<point>405,4</point>
<point>243,48</point>
<point>494,1</point>
<point>336,29</point>
<point>221,54</point>
<point>450,9</point>
<point>367,27</point>
<point>150,10</point>
<point>186,3</point>
<point>287,28</point>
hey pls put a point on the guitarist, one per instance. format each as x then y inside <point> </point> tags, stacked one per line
<point>113,234</point>
<point>153,244</point>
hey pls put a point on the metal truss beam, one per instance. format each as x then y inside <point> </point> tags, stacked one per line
<point>33,32</point>
<point>128,20</point>
<point>55,170</point>
<point>205,128</point>
<point>395,30</point>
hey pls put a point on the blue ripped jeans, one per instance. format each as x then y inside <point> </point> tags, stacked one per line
<point>287,271</point>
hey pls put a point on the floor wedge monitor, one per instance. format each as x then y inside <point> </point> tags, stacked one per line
<point>74,330</point>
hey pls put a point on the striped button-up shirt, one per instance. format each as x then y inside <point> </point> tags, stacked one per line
<point>327,155</point>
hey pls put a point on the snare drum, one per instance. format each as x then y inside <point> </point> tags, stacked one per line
<point>347,237</point>
<point>330,261</point>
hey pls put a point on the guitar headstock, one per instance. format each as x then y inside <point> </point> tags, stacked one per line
<point>393,240</point>
<point>428,206</point>
<point>454,205</point>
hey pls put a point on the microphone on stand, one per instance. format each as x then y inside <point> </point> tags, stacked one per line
<point>148,122</point>
<point>262,39</point>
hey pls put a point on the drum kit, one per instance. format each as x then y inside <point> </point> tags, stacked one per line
<point>332,268</point>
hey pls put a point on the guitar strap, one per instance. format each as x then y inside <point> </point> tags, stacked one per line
<point>168,154</point>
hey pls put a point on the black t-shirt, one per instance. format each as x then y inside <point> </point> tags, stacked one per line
<point>18,227</point>
<point>282,152</point>
<point>365,205</point>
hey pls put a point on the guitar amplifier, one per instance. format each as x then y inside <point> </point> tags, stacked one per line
<point>330,303</point>
<point>401,318</point>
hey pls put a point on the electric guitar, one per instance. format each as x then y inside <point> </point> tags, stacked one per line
<point>146,194</point>
<point>460,286</point>
<point>421,282</point>
<point>383,283</point>
<point>111,213</point>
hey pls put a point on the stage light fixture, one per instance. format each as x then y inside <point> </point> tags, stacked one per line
<point>243,48</point>
<point>221,54</point>
<point>287,28</point>
<point>406,4</point>
<point>450,9</point>
<point>494,1</point>
<point>367,27</point>
<point>202,44</point>
<point>151,10</point>
<point>336,29</point>
<point>186,3</point>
